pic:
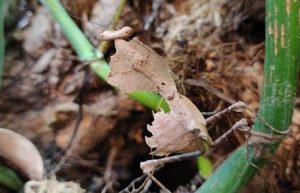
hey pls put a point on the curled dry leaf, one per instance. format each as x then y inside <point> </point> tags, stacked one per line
<point>181,130</point>
<point>135,66</point>
<point>22,154</point>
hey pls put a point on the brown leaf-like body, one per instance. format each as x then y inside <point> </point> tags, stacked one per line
<point>135,66</point>
<point>181,130</point>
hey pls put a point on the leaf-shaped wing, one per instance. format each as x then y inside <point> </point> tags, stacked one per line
<point>137,67</point>
<point>183,129</point>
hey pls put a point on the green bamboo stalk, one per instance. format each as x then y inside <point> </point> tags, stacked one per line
<point>87,52</point>
<point>276,101</point>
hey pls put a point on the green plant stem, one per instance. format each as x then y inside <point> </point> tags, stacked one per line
<point>104,45</point>
<point>276,102</point>
<point>82,46</point>
<point>87,52</point>
<point>154,101</point>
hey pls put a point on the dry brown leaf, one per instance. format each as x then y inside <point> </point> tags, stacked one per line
<point>181,130</point>
<point>135,66</point>
<point>22,154</point>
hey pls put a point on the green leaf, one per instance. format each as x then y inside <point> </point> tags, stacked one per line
<point>10,179</point>
<point>205,166</point>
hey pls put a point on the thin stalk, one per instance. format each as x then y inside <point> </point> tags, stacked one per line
<point>87,52</point>
<point>104,45</point>
<point>81,45</point>
<point>278,94</point>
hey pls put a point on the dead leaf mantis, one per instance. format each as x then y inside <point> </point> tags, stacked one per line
<point>135,66</point>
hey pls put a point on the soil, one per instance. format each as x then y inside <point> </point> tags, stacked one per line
<point>216,52</point>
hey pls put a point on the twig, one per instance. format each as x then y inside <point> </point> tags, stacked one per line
<point>139,179</point>
<point>234,107</point>
<point>79,101</point>
<point>107,174</point>
<point>111,157</point>
<point>240,124</point>
<point>165,189</point>
<point>70,146</point>
<point>212,90</point>
<point>146,186</point>
<point>209,113</point>
<point>151,165</point>
<point>132,184</point>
